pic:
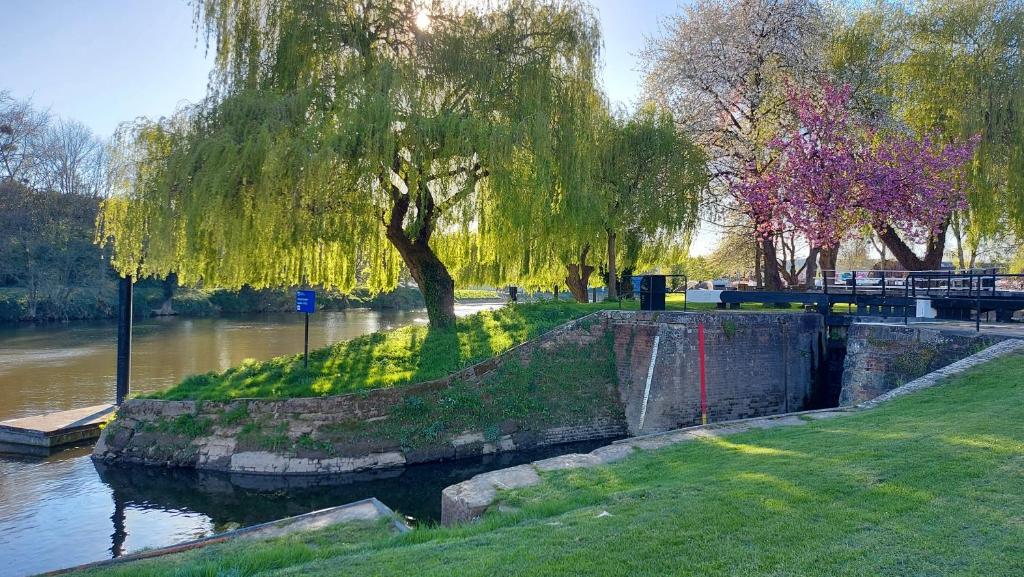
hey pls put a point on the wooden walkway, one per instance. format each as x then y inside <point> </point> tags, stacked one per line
<point>55,429</point>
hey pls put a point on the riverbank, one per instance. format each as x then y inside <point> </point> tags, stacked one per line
<point>153,298</point>
<point>909,487</point>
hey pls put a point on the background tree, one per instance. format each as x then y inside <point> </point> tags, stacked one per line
<point>835,176</point>
<point>21,133</point>
<point>951,70</point>
<point>719,68</point>
<point>345,126</point>
<point>650,180</point>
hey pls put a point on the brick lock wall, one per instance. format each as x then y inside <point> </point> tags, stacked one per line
<point>755,365</point>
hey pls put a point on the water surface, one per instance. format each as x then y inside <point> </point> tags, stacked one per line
<point>62,509</point>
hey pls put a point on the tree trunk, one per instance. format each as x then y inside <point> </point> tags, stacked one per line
<point>427,270</point>
<point>829,256</point>
<point>556,292</point>
<point>613,277</point>
<point>435,282</point>
<point>772,278</point>
<point>812,266</point>
<point>905,255</point>
<point>579,277</point>
<point>758,279</point>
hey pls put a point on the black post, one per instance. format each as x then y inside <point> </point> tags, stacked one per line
<point>686,287</point>
<point>305,345</point>
<point>906,297</point>
<point>124,337</point>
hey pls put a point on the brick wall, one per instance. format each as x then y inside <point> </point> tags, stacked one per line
<point>755,365</point>
<point>880,358</point>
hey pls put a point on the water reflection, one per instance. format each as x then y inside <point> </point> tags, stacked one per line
<point>88,511</point>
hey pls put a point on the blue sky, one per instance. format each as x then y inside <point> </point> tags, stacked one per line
<point>107,61</point>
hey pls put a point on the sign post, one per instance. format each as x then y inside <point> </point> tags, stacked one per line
<point>305,302</point>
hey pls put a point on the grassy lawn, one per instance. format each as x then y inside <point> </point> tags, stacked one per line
<point>475,294</point>
<point>930,484</point>
<point>250,558</point>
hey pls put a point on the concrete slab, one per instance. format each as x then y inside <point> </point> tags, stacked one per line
<point>54,429</point>
<point>367,510</point>
<point>571,461</point>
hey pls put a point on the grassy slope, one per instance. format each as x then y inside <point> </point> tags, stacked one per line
<point>406,355</point>
<point>930,484</point>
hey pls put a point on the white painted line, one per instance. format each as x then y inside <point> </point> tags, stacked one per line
<point>647,388</point>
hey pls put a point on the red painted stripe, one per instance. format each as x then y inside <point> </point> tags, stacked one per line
<point>703,381</point>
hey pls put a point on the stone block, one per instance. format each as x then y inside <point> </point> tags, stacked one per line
<point>563,462</point>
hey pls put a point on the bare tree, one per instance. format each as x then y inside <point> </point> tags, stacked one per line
<point>719,67</point>
<point>73,160</point>
<point>21,131</point>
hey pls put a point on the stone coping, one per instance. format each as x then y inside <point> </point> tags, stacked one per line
<point>468,500</point>
<point>364,510</point>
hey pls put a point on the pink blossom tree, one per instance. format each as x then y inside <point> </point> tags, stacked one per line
<point>834,175</point>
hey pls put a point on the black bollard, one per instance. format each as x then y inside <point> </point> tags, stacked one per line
<point>124,336</point>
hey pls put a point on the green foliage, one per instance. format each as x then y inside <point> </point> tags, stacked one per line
<point>910,488</point>
<point>188,426</point>
<point>729,329</point>
<point>470,294</point>
<point>48,263</point>
<point>234,415</point>
<point>339,136</point>
<point>955,69</point>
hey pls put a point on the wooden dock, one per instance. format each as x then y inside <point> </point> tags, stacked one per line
<point>55,429</point>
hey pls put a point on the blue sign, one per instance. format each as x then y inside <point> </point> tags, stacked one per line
<point>305,301</point>
<point>636,284</point>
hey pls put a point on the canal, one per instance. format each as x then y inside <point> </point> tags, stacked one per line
<point>63,509</point>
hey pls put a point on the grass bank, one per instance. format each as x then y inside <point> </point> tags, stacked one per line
<point>406,355</point>
<point>403,356</point>
<point>930,484</point>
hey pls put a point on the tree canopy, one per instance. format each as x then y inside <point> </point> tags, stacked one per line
<point>340,132</point>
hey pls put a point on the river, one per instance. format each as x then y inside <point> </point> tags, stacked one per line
<point>64,510</point>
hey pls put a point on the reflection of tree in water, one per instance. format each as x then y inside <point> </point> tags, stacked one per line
<point>120,533</point>
<point>231,500</point>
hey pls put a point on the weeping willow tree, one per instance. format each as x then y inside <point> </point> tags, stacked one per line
<point>339,132</point>
<point>650,176</point>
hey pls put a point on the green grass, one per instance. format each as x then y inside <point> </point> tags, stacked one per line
<point>406,355</point>
<point>930,484</point>
<point>244,558</point>
<point>475,294</point>
<point>574,386</point>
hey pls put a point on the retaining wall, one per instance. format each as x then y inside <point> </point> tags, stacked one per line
<point>882,357</point>
<point>756,364</point>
